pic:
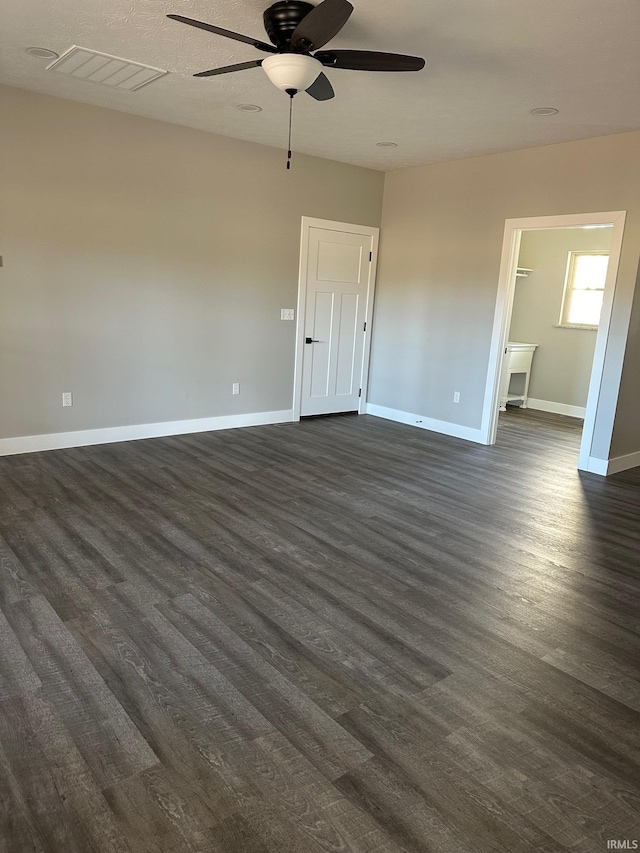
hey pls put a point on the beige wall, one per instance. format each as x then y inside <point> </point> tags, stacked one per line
<point>145,266</point>
<point>562,364</point>
<point>626,435</point>
<point>442,235</point>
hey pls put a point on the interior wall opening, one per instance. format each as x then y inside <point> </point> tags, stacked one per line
<point>556,309</point>
<point>610,337</point>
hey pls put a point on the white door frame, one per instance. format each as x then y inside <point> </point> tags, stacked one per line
<point>504,306</point>
<point>308,223</point>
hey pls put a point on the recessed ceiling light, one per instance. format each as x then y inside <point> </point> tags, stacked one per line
<point>387,144</point>
<point>42,52</point>
<point>249,108</point>
<point>544,111</point>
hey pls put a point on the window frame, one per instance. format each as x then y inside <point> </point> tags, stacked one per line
<point>568,290</point>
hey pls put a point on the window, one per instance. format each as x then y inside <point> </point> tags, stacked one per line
<point>584,289</point>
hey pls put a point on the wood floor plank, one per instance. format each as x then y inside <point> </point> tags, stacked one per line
<point>316,735</point>
<point>101,729</point>
<point>160,813</point>
<point>17,825</point>
<point>538,784</point>
<point>183,745</point>
<point>17,676</point>
<point>67,812</point>
<point>274,644</point>
<point>14,578</point>
<point>338,636</point>
<point>292,785</point>
<point>259,828</point>
<point>48,570</point>
<point>340,652</point>
<point>608,677</point>
<point>457,796</point>
<point>391,797</point>
<point>191,681</point>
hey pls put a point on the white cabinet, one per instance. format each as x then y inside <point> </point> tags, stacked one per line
<point>516,371</point>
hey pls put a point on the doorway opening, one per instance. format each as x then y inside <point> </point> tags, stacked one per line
<point>552,322</point>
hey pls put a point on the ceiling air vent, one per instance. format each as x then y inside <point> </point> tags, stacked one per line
<point>98,67</point>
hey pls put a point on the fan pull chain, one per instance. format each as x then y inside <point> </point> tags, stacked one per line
<point>291,93</point>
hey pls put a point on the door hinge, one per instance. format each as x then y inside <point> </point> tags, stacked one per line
<point>370,256</point>
<point>365,327</point>
<point>360,393</point>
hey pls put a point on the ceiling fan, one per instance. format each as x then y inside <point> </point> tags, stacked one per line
<point>295,29</point>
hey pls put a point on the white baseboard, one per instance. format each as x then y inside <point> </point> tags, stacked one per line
<point>444,427</point>
<point>623,463</point>
<point>605,467</point>
<point>109,435</point>
<point>556,408</point>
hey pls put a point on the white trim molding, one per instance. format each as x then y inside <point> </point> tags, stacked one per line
<point>599,405</point>
<point>596,466</point>
<point>606,467</point>
<point>109,435</point>
<point>444,427</point>
<point>556,408</point>
<point>623,463</point>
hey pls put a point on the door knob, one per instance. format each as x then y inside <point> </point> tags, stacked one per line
<point>311,341</point>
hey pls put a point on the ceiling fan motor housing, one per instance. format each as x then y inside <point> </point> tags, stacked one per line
<point>281,19</point>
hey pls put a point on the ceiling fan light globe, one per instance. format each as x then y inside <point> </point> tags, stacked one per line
<point>291,70</point>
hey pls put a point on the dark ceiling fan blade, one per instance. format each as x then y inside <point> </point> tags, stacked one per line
<point>321,89</point>
<point>369,60</point>
<point>210,28</point>
<point>228,69</point>
<point>321,24</point>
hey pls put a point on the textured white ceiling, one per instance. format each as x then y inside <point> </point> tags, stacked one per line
<point>489,62</point>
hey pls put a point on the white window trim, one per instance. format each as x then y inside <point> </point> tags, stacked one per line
<point>563,324</point>
<point>575,326</point>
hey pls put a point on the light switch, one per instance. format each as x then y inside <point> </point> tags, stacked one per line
<point>287,313</point>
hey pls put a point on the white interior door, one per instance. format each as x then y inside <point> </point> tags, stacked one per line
<point>336,283</point>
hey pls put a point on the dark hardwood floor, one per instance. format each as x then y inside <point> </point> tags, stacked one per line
<point>339,635</point>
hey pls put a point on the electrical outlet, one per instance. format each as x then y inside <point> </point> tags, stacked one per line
<point>67,398</point>
<point>235,388</point>
<point>456,396</point>
<point>287,313</point>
